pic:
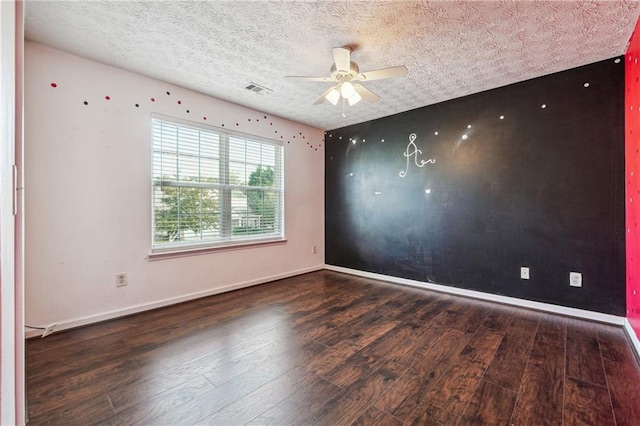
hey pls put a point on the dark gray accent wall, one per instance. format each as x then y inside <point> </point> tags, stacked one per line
<point>465,192</point>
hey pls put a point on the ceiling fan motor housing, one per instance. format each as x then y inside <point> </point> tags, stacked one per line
<point>342,75</point>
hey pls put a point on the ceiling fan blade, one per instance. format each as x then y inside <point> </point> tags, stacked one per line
<point>366,94</point>
<point>342,59</point>
<point>329,96</point>
<point>383,73</point>
<point>303,77</point>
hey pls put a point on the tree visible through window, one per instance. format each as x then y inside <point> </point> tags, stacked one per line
<point>262,204</point>
<point>183,209</point>
<point>212,188</point>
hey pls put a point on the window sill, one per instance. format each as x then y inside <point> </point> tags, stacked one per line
<point>172,254</point>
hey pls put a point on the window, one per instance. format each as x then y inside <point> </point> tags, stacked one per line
<point>214,188</point>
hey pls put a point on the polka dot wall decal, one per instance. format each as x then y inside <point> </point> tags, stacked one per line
<point>204,118</point>
<point>108,98</point>
<point>86,103</point>
<point>54,85</point>
<point>153,99</point>
<point>188,111</point>
<point>168,93</point>
<point>265,116</point>
<point>137,105</point>
<point>179,102</point>
<point>237,124</point>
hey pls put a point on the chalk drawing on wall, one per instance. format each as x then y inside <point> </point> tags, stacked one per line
<point>413,151</point>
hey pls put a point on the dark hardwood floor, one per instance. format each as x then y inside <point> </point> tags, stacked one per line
<point>333,349</point>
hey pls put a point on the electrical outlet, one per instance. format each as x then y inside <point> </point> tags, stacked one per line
<point>575,279</point>
<point>314,249</point>
<point>121,279</point>
<point>524,273</point>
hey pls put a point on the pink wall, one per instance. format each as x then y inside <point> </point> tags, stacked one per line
<point>632,154</point>
<point>88,193</point>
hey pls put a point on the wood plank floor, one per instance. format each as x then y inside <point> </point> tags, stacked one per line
<point>332,349</point>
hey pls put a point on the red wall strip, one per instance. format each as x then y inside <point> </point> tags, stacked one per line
<point>632,155</point>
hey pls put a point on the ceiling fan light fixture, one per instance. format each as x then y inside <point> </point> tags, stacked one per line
<point>354,99</point>
<point>333,96</point>
<point>347,90</point>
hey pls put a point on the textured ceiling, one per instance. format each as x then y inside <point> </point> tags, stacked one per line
<point>451,48</point>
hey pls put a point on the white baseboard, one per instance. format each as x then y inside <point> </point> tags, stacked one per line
<point>633,338</point>
<point>91,319</point>
<point>546,307</point>
<point>578,313</point>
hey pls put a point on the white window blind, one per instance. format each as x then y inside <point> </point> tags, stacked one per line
<point>214,188</point>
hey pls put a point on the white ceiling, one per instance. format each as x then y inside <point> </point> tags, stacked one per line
<point>451,48</point>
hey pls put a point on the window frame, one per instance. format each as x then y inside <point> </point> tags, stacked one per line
<point>226,240</point>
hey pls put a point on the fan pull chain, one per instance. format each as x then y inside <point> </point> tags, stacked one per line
<point>343,114</point>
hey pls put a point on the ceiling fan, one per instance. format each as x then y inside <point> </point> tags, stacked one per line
<point>347,75</point>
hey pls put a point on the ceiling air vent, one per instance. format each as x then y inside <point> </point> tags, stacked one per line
<point>261,90</point>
